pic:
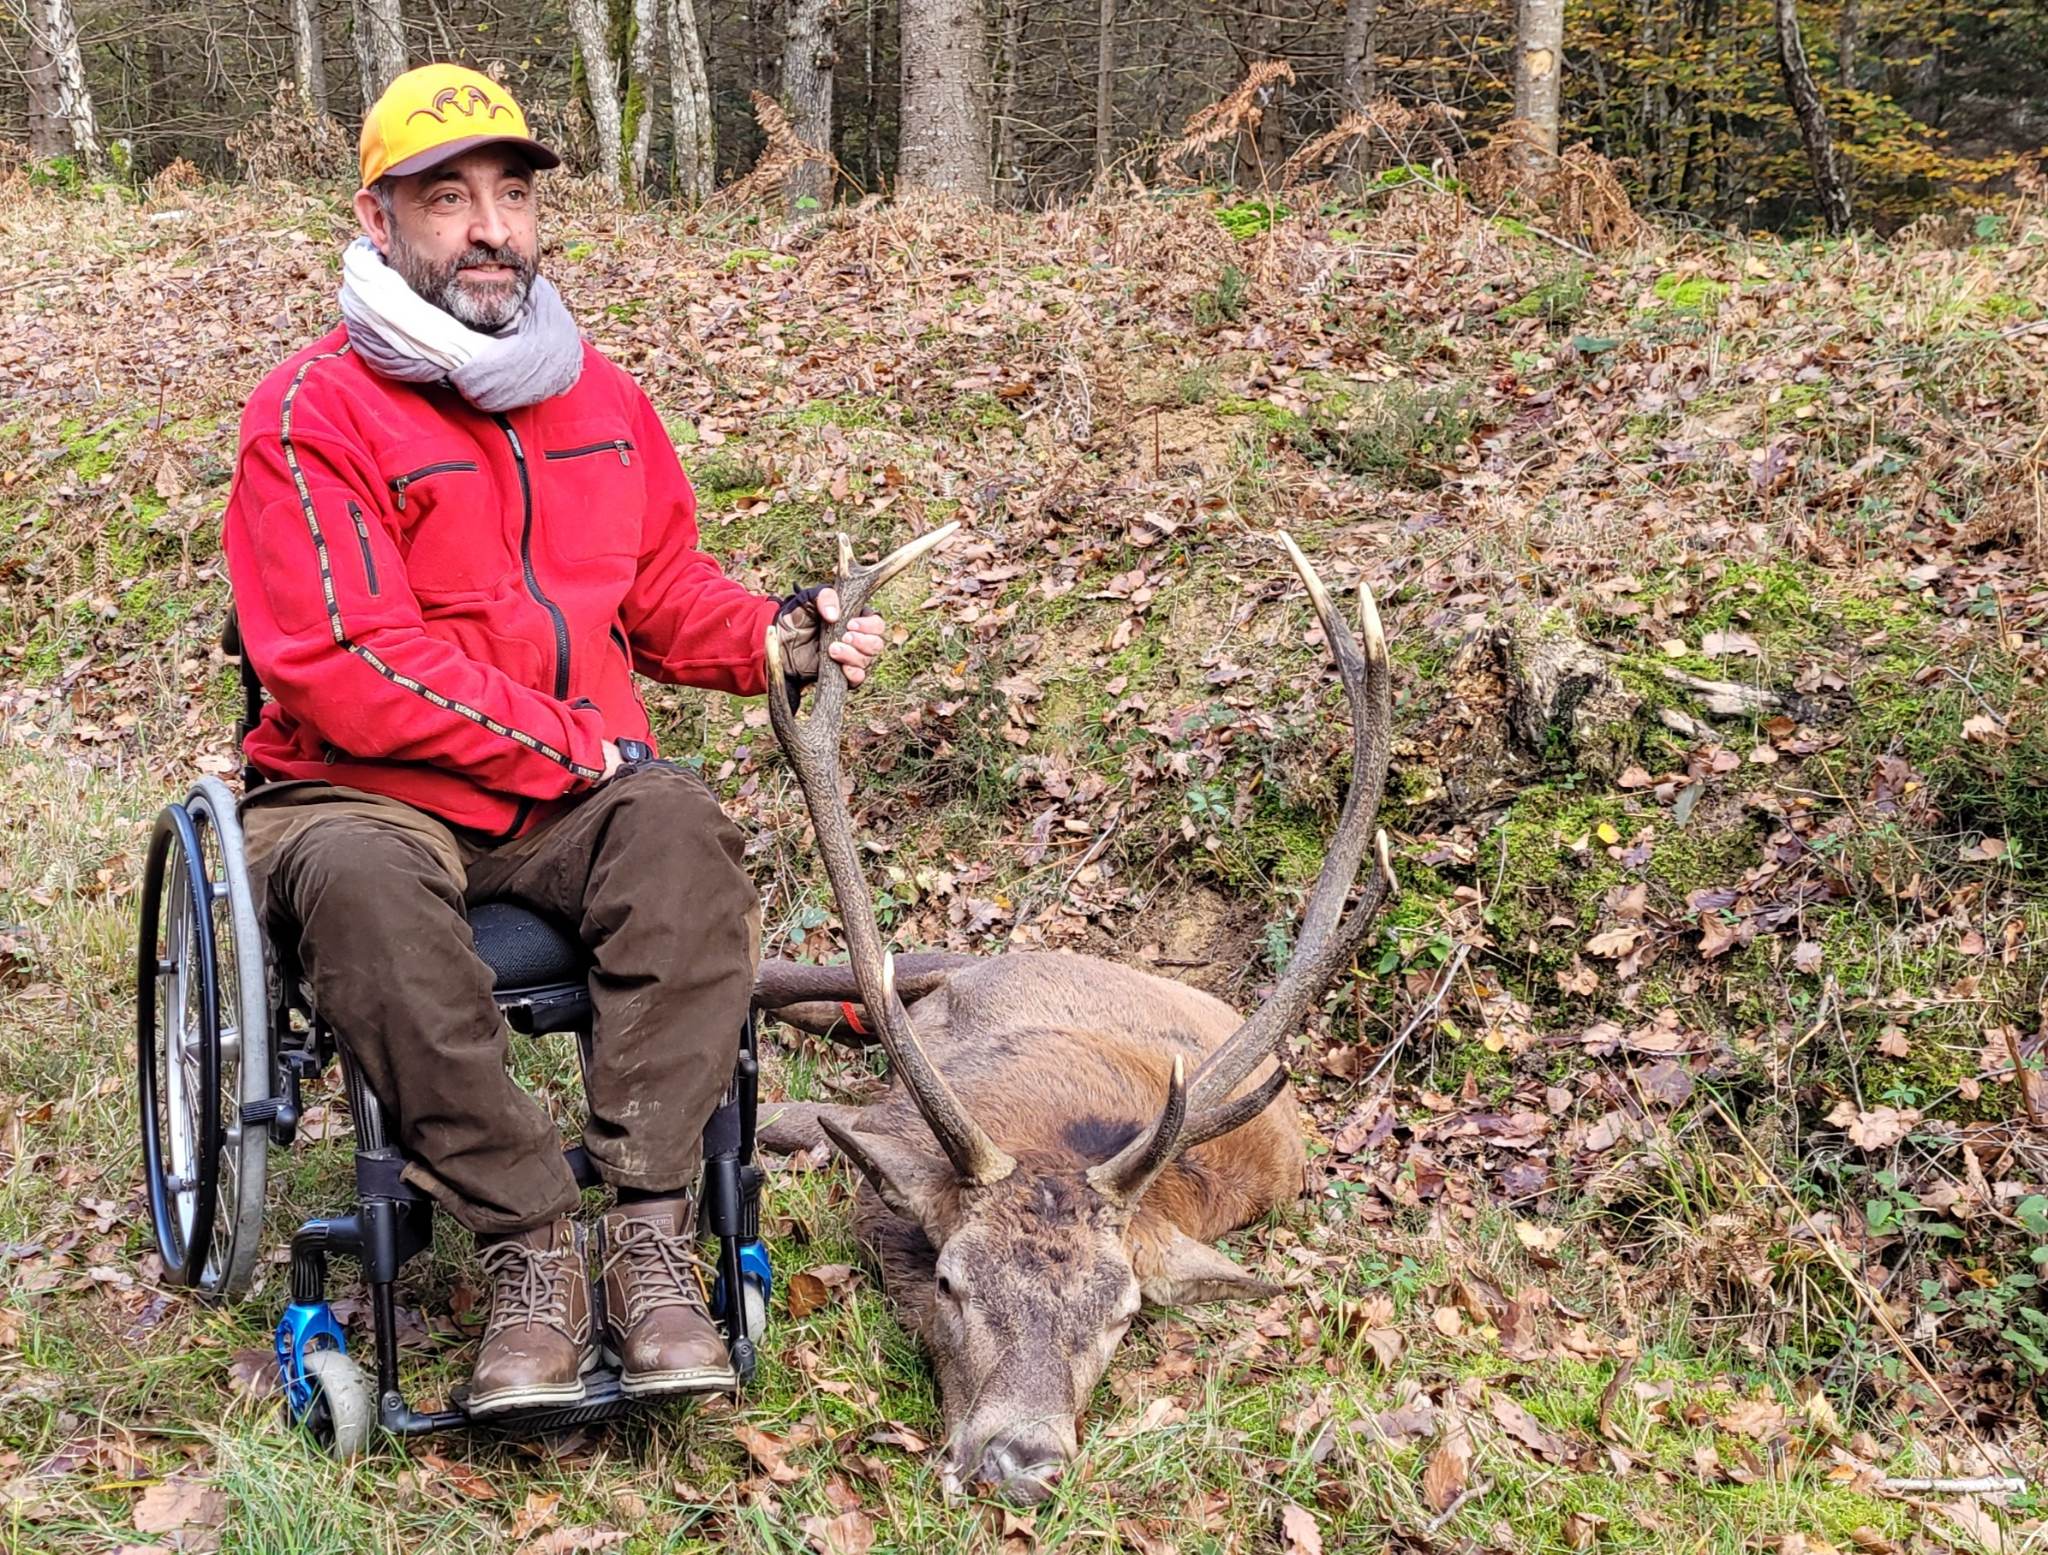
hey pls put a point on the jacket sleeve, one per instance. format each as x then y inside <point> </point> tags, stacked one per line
<point>334,629</point>
<point>689,623</point>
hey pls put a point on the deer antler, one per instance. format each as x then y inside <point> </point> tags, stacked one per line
<point>812,745</point>
<point>1204,1110</point>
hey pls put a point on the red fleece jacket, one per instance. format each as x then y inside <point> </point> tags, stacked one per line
<point>447,605</point>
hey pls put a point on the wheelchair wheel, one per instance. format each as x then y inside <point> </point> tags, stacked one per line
<point>203,1044</point>
<point>341,1411</point>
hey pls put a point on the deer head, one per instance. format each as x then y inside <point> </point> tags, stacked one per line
<point>1040,1262</point>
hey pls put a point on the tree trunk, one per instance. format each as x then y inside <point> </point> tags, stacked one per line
<point>871,107</point>
<point>689,90</point>
<point>944,134</point>
<point>380,45</point>
<point>60,116</point>
<point>1813,119</point>
<point>1361,74</point>
<point>1848,40</point>
<point>639,125</point>
<point>1009,177</point>
<point>1539,47</point>
<point>1105,85</point>
<point>810,50</point>
<point>309,61</point>
<point>601,80</point>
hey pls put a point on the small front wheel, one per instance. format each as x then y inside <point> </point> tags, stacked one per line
<point>342,1411</point>
<point>753,1310</point>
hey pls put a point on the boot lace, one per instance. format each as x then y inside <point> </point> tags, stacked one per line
<point>661,1270</point>
<point>529,1286</point>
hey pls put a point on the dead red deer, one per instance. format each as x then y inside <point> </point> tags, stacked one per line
<point>1021,1206</point>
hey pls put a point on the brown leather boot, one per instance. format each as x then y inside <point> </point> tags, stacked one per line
<point>656,1323</point>
<point>538,1343</point>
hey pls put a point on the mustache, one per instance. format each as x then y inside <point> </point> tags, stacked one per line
<point>484,254</point>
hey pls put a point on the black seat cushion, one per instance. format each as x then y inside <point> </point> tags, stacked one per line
<point>524,949</point>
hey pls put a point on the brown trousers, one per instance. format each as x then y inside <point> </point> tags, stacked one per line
<point>647,869</point>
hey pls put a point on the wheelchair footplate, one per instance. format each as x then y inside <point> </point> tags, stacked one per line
<point>603,1399</point>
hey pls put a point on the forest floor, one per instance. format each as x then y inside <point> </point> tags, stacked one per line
<point>1701,1186</point>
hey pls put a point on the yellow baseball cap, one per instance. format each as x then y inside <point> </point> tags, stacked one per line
<point>436,112</point>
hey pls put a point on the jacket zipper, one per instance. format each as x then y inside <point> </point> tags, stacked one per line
<point>363,539</point>
<point>526,560</point>
<point>617,445</point>
<point>445,467</point>
<point>625,649</point>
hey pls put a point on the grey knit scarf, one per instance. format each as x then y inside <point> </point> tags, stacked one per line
<point>403,336</point>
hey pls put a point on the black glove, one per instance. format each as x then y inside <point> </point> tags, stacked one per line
<point>801,631</point>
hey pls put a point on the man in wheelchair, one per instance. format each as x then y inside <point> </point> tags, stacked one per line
<point>455,533</point>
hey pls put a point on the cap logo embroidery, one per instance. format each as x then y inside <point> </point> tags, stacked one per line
<point>464,99</point>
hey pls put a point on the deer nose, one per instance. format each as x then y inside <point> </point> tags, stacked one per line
<point>1023,1471</point>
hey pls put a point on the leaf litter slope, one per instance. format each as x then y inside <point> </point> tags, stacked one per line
<point>1541,1292</point>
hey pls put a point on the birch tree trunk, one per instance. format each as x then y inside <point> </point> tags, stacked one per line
<point>1813,119</point>
<point>1539,46</point>
<point>689,93</point>
<point>639,127</point>
<point>1105,85</point>
<point>380,44</point>
<point>1360,81</point>
<point>810,50</point>
<point>1849,42</point>
<point>309,61</point>
<point>943,142</point>
<point>601,79</point>
<point>60,116</point>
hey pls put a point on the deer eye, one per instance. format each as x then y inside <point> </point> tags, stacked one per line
<point>948,1289</point>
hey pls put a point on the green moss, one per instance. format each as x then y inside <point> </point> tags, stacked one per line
<point>1689,293</point>
<point>91,450</point>
<point>1917,700</point>
<point>1558,299</point>
<point>1542,878</point>
<point>1278,417</point>
<point>846,411</point>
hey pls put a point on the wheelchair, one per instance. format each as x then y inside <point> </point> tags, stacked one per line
<point>227,1038</point>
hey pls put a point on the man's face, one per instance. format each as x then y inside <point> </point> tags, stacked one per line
<point>463,234</point>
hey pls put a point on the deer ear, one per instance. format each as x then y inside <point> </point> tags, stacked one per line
<point>1178,1271</point>
<point>908,1179</point>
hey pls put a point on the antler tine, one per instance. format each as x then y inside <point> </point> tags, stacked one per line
<point>1327,936</point>
<point>1233,1115</point>
<point>1126,1175</point>
<point>812,745</point>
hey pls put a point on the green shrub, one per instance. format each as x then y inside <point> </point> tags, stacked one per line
<point>1394,433</point>
<point>1225,305</point>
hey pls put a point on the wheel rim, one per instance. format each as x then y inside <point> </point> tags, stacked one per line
<point>224,1099</point>
<point>177,1023</point>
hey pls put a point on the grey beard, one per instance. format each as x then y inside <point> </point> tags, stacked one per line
<point>443,288</point>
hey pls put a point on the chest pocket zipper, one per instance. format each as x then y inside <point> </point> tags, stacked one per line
<point>446,467</point>
<point>616,445</point>
<point>363,540</point>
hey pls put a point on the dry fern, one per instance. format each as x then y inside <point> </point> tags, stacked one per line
<point>785,152</point>
<point>1579,185</point>
<point>1239,113</point>
<point>1405,132</point>
<point>285,141</point>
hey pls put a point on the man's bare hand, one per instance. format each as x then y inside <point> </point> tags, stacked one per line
<point>611,761</point>
<point>862,644</point>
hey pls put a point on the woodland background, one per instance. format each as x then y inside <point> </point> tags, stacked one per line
<point>1032,101</point>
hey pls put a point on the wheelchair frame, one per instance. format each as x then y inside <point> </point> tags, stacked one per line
<point>226,1037</point>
